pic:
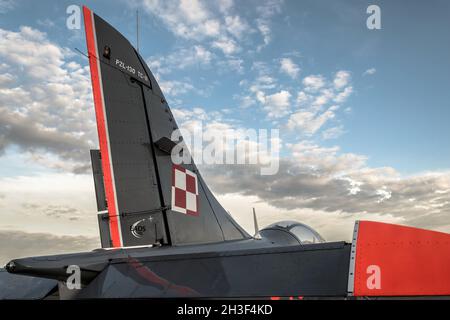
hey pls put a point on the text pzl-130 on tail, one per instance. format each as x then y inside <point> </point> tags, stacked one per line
<point>164,234</point>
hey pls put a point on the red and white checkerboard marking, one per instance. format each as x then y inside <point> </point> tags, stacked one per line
<point>184,191</point>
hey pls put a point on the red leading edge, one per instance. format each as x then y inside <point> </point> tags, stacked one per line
<point>114,224</point>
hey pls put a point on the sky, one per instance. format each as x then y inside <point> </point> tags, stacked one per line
<point>362,114</point>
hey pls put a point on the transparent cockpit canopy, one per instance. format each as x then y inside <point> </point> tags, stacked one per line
<point>304,233</point>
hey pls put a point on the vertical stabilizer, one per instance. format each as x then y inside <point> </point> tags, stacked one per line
<point>148,198</point>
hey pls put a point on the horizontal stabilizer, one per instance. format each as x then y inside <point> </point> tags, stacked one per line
<point>393,260</point>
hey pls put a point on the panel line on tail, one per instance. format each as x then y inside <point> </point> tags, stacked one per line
<point>158,178</point>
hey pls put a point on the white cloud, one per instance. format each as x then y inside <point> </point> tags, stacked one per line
<point>333,133</point>
<point>236,26</point>
<point>320,180</point>
<point>231,64</point>
<point>175,88</point>
<point>50,111</point>
<point>266,11</point>
<point>370,71</point>
<point>246,101</point>
<point>317,104</point>
<point>333,226</point>
<point>266,91</point>
<point>384,194</point>
<point>288,67</point>
<point>308,122</point>
<point>186,57</point>
<point>211,28</point>
<point>265,31</point>
<point>302,99</point>
<point>242,141</point>
<point>225,5</point>
<point>227,45</point>
<point>47,23</point>
<point>323,97</point>
<point>313,82</point>
<point>215,23</point>
<point>343,96</point>
<point>7,5</point>
<point>276,105</point>
<point>193,10</point>
<point>49,203</point>
<point>185,18</point>
<point>341,79</point>
<point>6,78</point>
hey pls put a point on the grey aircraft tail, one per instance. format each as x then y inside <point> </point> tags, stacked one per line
<point>143,198</point>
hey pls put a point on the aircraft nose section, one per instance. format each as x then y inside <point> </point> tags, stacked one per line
<point>11,266</point>
<point>56,267</point>
<point>16,266</point>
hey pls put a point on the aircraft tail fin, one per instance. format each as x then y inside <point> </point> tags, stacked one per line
<point>142,196</point>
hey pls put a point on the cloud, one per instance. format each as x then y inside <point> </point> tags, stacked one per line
<point>326,180</point>
<point>333,133</point>
<point>267,11</point>
<point>47,23</point>
<point>197,56</point>
<point>6,79</point>
<point>265,91</point>
<point>185,18</point>
<point>334,226</point>
<point>325,188</point>
<point>318,102</point>
<point>57,203</point>
<point>309,122</point>
<point>215,22</point>
<point>232,140</point>
<point>276,105</point>
<point>341,79</point>
<point>288,67</point>
<point>6,5</point>
<point>47,214</point>
<point>19,244</point>
<point>370,72</point>
<point>176,88</point>
<point>236,26</point>
<point>313,82</point>
<point>197,20</point>
<point>227,45</point>
<point>23,131</point>
<point>54,211</point>
<point>343,96</point>
<point>47,111</point>
<point>232,64</point>
<point>225,5</point>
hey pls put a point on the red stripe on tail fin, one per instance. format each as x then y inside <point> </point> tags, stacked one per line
<point>114,223</point>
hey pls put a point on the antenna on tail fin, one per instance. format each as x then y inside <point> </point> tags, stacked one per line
<point>137,31</point>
